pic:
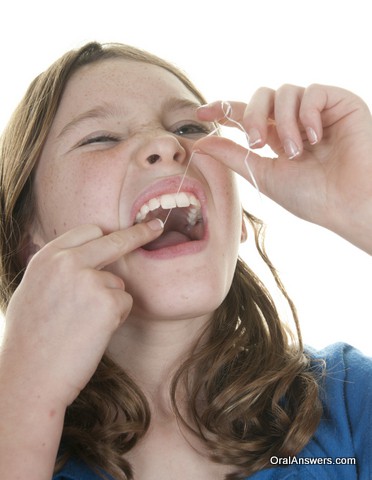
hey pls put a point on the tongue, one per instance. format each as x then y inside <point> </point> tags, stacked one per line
<point>167,239</point>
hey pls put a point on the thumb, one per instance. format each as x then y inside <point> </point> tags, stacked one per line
<point>246,163</point>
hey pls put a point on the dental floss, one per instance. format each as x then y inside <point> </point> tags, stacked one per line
<point>185,172</point>
<point>240,126</point>
<point>227,113</point>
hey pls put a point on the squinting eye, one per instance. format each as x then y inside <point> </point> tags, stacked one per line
<point>99,139</point>
<point>192,130</point>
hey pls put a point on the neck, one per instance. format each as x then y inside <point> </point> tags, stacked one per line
<point>152,350</point>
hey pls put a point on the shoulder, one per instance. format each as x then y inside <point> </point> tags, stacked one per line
<point>342,445</point>
<point>347,379</point>
<point>341,352</point>
<point>347,397</point>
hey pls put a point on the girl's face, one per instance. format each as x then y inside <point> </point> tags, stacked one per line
<point>116,153</point>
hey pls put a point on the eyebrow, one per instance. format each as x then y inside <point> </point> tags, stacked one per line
<point>101,111</point>
<point>177,103</point>
<point>109,111</point>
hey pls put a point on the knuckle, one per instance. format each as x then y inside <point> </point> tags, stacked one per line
<point>116,307</point>
<point>263,91</point>
<point>94,230</point>
<point>64,261</point>
<point>118,283</point>
<point>285,88</point>
<point>90,280</point>
<point>89,229</point>
<point>117,240</point>
<point>260,106</point>
<point>313,87</point>
<point>109,303</point>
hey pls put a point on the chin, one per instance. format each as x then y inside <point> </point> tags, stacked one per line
<point>180,300</point>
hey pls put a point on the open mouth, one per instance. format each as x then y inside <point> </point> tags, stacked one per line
<point>184,223</point>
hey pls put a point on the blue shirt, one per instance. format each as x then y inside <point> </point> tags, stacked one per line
<point>342,443</point>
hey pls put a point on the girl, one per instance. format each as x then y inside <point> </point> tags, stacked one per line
<point>135,349</point>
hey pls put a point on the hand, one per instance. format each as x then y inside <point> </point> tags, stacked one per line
<point>322,137</point>
<point>62,315</point>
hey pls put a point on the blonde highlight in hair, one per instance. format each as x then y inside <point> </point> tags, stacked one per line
<point>252,390</point>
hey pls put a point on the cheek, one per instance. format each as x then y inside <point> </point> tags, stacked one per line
<point>82,194</point>
<point>228,205</point>
<point>229,224</point>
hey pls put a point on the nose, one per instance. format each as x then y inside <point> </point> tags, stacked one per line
<point>161,148</point>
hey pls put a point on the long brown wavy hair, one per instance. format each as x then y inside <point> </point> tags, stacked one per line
<point>260,393</point>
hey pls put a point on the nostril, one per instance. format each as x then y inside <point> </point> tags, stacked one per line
<point>178,156</point>
<point>153,158</point>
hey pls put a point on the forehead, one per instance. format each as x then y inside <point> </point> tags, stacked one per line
<point>123,81</point>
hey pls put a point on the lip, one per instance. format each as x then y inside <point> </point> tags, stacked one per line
<point>171,185</point>
<point>188,248</point>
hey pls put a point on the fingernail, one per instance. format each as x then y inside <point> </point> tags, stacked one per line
<point>312,136</point>
<point>198,152</point>
<point>155,224</point>
<point>254,137</point>
<point>290,148</point>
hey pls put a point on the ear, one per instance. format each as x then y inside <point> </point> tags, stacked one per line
<point>30,244</point>
<point>27,250</point>
<point>244,233</point>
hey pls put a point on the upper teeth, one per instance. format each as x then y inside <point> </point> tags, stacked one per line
<point>172,200</point>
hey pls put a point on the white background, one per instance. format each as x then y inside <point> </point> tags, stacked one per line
<point>229,49</point>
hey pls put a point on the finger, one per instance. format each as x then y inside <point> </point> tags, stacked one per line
<point>258,116</point>
<point>109,280</point>
<point>286,110</point>
<point>222,112</point>
<point>125,303</point>
<point>313,103</point>
<point>237,114</point>
<point>105,250</point>
<point>235,157</point>
<point>77,236</point>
